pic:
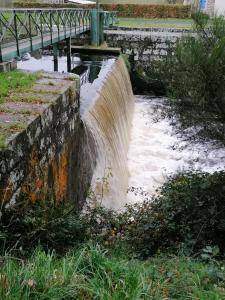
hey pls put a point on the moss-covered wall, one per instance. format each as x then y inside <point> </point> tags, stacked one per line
<point>47,160</point>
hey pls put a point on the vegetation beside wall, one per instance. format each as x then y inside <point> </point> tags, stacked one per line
<point>193,74</point>
<point>187,214</point>
<point>180,235</point>
<point>92,272</point>
<point>150,11</point>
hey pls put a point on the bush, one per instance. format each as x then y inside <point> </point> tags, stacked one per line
<point>53,227</point>
<point>189,212</point>
<point>149,11</point>
<point>194,77</point>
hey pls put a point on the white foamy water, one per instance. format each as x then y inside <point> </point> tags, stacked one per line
<point>154,155</point>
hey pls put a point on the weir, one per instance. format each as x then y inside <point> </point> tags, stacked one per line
<point>82,149</point>
<point>109,118</point>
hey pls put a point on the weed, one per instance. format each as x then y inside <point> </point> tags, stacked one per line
<point>13,126</point>
<point>2,141</point>
<point>17,111</point>
<point>91,272</point>
<point>26,98</point>
<point>15,81</point>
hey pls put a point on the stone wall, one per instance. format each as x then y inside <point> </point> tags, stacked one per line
<point>45,160</point>
<point>146,44</point>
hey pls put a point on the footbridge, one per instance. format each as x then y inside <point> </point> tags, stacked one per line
<point>26,30</point>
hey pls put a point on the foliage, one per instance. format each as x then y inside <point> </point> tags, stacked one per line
<point>52,226</point>
<point>94,273</point>
<point>15,81</point>
<point>155,23</point>
<point>188,213</point>
<point>194,77</point>
<point>149,11</point>
<point>126,61</point>
<point>2,141</point>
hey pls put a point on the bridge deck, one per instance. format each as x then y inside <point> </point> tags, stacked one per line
<point>9,50</point>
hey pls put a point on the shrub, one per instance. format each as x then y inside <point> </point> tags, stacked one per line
<point>189,212</point>
<point>149,11</point>
<point>194,77</point>
<point>53,227</point>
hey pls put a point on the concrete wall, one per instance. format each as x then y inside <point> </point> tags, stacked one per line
<point>47,160</point>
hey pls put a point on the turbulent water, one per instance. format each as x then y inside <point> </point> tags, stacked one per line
<point>109,118</point>
<point>156,152</point>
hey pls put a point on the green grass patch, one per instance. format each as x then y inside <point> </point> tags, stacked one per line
<point>17,111</point>
<point>2,141</point>
<point>13,126</point>
<point>15,81</point>
<point>93,273</point>
<point>155,23</point>
<point>26,98</point>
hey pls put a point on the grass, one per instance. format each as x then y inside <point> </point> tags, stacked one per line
<point>16,111</point>
<point>13,126</point>
<point>15,81</point>
<point>26,99</point>
<point>93,273</point>
<point>155,23</point>
<point>2,141</point>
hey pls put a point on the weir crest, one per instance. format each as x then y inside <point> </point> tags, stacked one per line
<point>108,119</point>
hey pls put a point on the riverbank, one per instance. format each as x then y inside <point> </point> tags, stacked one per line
<point>155,23</point>
<point>93,272</point>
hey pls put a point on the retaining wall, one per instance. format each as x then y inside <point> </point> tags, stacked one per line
<point>43,161</point>
<point>145,44</point>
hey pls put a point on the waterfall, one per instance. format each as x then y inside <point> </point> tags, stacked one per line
<point>108,119</point>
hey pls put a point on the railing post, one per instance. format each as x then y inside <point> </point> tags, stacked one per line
<point>1,33</point>
<point>1,59</point>
<point>55,56</point>
<point>42,37</point>
<point>68,53</point>
<point>51,28</point>
<point>101,27</point>
<point>16,33</point>
<point>30,31</point>
<point>95,27</point>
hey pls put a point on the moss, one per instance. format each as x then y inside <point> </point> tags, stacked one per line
<point>2,141</point>
<point>17,111</point>
<point>26,98</point>
<point>126,61</point>
<point>13,126</point>
<point>72,78</point>
<point>15,81</point>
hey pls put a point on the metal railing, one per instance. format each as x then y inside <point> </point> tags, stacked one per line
<point>27,25</point>
<point>110,18</point>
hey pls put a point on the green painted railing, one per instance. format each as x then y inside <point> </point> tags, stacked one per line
<point>22,28</point>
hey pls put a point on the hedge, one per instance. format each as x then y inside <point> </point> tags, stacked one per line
<point>124,10</point>
<point>150,11</point>
<point>24,4</point>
